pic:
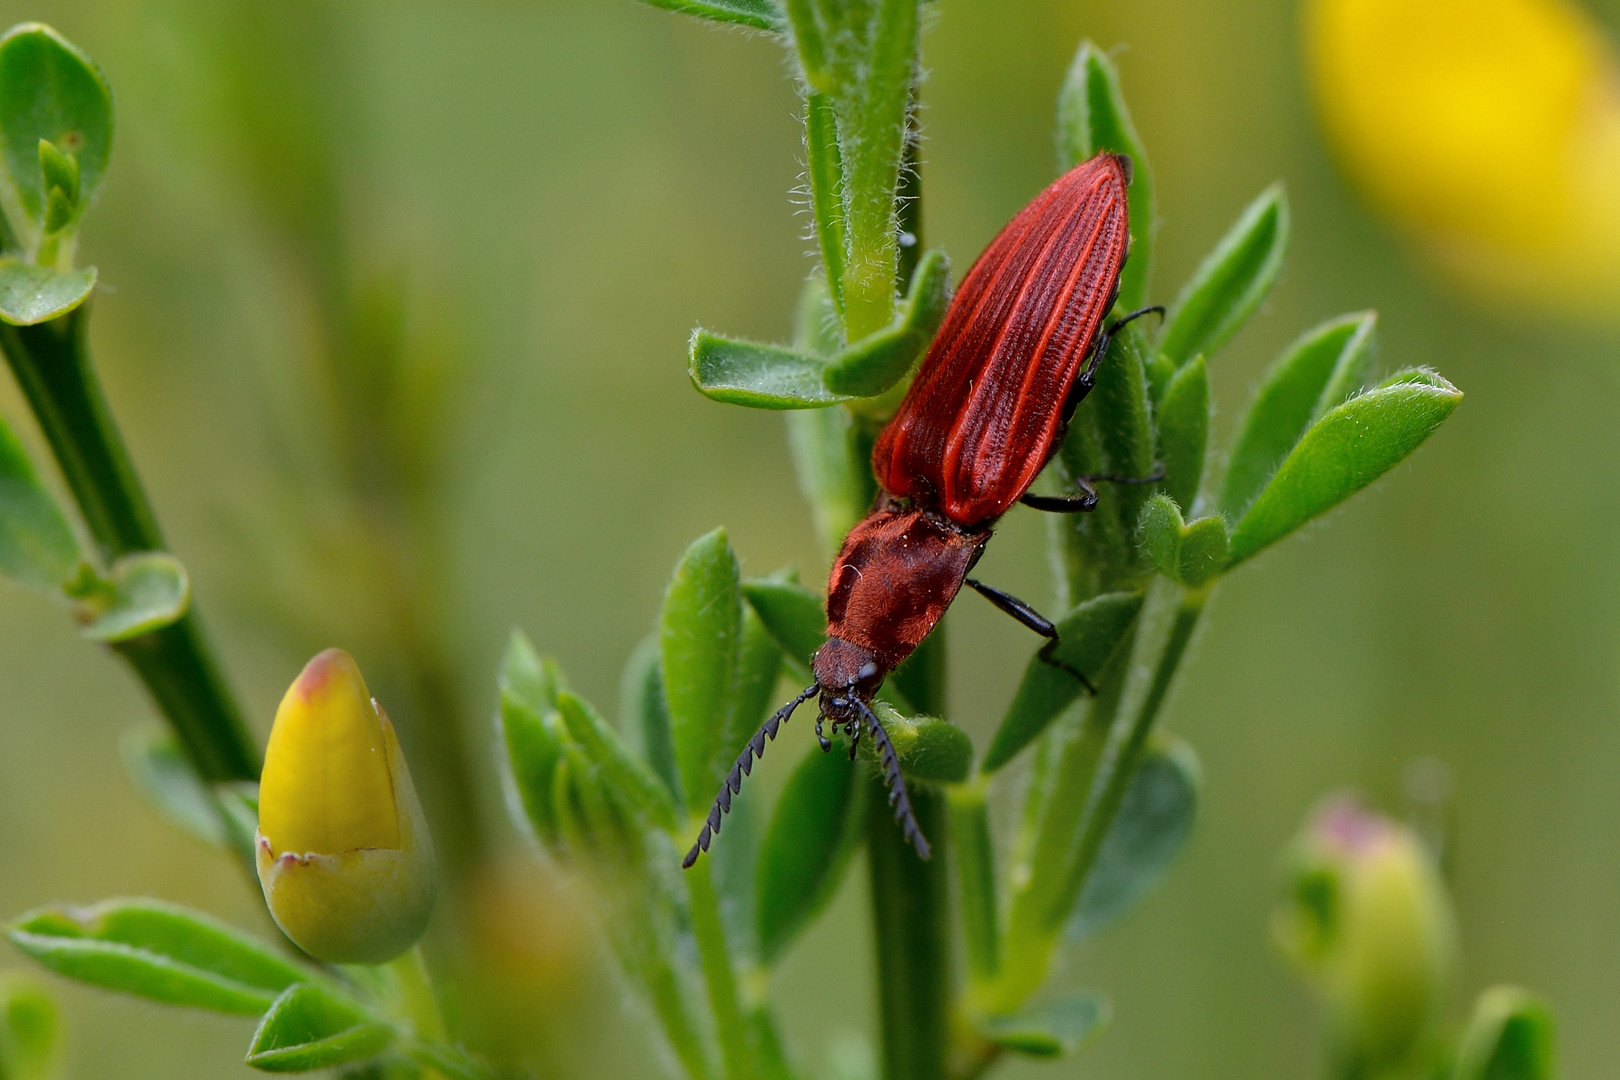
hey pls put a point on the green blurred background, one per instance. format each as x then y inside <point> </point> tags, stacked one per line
<point>559,190</point>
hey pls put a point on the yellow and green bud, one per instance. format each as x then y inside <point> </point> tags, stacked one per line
<point>1366,919</point>
<point>343,849</point>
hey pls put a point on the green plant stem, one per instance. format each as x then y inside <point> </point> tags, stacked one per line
<point>714,954</point>
<point>976,878</point>
<point>415,991</point>
<point>911,915</point>
<point>420,1006</point>
<point>53,366</point>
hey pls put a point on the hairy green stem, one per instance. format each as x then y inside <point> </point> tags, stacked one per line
<point>53,366</point>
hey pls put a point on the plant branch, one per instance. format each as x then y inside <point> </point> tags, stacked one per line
<point>53,366</point>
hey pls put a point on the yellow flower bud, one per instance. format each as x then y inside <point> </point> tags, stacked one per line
<point>1489,128</point>
<point>343,850</point>
<point>1367,920</point>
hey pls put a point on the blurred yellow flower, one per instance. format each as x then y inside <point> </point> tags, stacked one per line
<point>1367,920</point>
<point>343,850</point>
<point>1490,128</point>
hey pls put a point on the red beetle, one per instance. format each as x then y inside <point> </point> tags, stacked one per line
<point>988,409</point>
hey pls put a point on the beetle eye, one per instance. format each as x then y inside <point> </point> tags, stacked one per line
<point>868,670</point>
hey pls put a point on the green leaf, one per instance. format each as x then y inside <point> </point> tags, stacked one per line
<point>1161,527</point>
<point>1511,1036</point>
<point>1155,820</point>
<point>32,294</point>
<point>629,776</point>
<point>1326,365</point>
<point>930,750</point>
<point>878,361</point>
<point>1184,431</point>
<point>60,170</point>
<point>1092,118</point>
<point>753,685</point>
<point>48,90</point>
<point>1204,548</point>
<point>534,744</point>
<point>1190,554</point>
<point>700,632</point>
<point>813,832</point>
<point>158,951</point>
<point>758,376</point>
<point>1111,434</point>
<point>145,592</point>
<point>160,772</point>
<point>1350,447</point>
<point>1088,638</point>
<point>645,716</point>
<point>760,14</point>
<point>793,616</point>
<point>36,544</point>
<point>310,1027</point>
<point>1056,1029</point>
<point>528,677</point>
<point>1231,282</point>
<point>30,1030</point>
<point>531,732</point>
<point>1354,364</point>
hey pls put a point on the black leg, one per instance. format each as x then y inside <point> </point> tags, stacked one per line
<point>1035,621</point>
<point>855,740</point>
<point>1086,501</point>
<point>889,761</point>
<point>826,744</point>
<point>1088,375</point>
<point>1083,503</point>
<point>744,765</point>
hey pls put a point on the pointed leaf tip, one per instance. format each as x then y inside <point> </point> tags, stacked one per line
<point>1092,118</point>
<point>758,14</point>
<point>1322,368</point>
<point>162,952</point>
<point>310,1027</point>
<point>1350,447</point>
<point>1230,284</point>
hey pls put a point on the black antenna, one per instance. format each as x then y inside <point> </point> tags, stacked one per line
<point>890,762</point>
<point>744,765</point>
